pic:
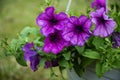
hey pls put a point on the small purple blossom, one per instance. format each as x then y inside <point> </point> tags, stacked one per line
<point>54,43</point>
<point>49,21</point>
<point>77,30</point>
<point>30,54</point>
<point>104,25</point>
<point>99,4</point>
<point>34,61</point>
<point>116,39</point>
<point>52,63</point>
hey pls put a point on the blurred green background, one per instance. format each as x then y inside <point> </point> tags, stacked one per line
<point>14,16</point>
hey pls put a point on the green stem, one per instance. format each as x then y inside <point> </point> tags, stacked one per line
<point>68,6</point>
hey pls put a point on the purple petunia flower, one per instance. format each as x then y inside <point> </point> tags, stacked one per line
<point>77,30</point>
<point>99,4</point>
<point>30,54</point>
<point>34,61</point>
<point>116,39</point>
<point>49,21</point>
<point>54,43</point>
<point>52,63</point>
<point>104,25</point>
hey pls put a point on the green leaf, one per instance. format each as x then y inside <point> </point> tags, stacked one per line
<point>67,55</point>
<point>37,41</point>
<point>63,63</point>
<point>91,54</point>
<point>85,62</point>
<point>98,42</point>
<point>29,30</point>
<point>78,70</point>
<point>42,62</point>
<point>20,59</point>
<point>25,32</point>
<point>99,69</point>
<point>80,49</point>
<point>116,64</point>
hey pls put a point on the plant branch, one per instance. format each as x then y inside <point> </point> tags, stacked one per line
<point>68,6</point>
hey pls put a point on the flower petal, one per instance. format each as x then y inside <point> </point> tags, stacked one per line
<point>82,19</point>
<point>34,62</point>
<point>49,11</point>
<point>81,42</point>
<point>46,30</point>
<point>47,48</point>
<point>74,20</point>
<point>74,39</point>
<point>88,24</point>
<point>97,13</point>
<point>42,16</point>
<point>42,23</point>
<point>61,16</point>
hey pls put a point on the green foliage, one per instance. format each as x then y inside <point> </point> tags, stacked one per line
<point>67,55</point>
<point>20,59</point>
<point>80,49</point>
<point>96,48</point>
<point>63,63</point>
<point>81,64</point>
<point>27,34</point>
<point>98,42</point>
<point>99,69</point>
<point>91,54</point>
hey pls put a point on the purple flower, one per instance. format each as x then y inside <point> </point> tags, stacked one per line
<point>30,54</point>
<point>104,25</point>
<point>99,4</point>
<point>54,42</point>
<point>34,61</point>
<point>77,30</point>
<point>29,51</point>
<point>52,63</point>
<point>49,21</point>
<point>116,39</point>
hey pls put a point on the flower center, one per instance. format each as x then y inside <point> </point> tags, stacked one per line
<point>101,20</point>
<point>79,28</point>
<point>53,21</point>
<point>53,37</point>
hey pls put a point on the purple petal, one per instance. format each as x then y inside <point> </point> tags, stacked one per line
<point>93,4</point>
<point>74,40</point>
<point>99,4</point>
<point>42,23</point>
<point>49,11</point>
<point>47,48</point>
<point>52,63</point>
<point>82,19</point>
<point>28,46</point>
<point>46,30</point>
<point>34,62</point>
<point>88,24</point>
<point>81,42</point>
<point>59,27</point>
<point>97,13</point>
<point>43,16</point>
<point>116,39</point>
<point>56,49</point>
<point>61,16</point>
<point>74,20</point>
<point>68,36</point>
<point>28,54</point>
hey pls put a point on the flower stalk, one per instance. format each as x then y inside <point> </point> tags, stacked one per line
<point>68,6</point>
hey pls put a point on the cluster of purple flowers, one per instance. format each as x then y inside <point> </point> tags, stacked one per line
<point>62,31</point>
<point>31,55</point>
